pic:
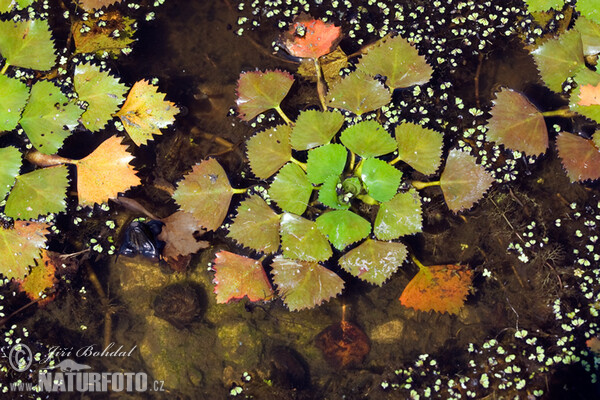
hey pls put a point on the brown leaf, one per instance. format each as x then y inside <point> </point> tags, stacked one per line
<point>179,234</point>
<point>343,344</point>
<point>91,5</point>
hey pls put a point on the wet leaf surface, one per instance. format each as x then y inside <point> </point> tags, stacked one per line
<point>38,192</point>
<point>400,216</point>
<point>237,277</point>
<point>314,128</point>
<point>579,156</point>
<point>291,189</point>
<point>343,227</point>
<point>304,284</point>
<point>302,240</point>
<point>205,192</point>
<point>324,161</point>
<point>382,179</point>
<point>328,194</point>
<point>517,124</point>
<point>463,182</point>
<point>27,44</point>
<point>20,246</point>
<point>374,261</point>
<point>419,147</point>
<point>256,225</point>
<point>311,38</point>
<point>145,112</point>
<point>269,150</point>
<point>359,94</point>
<point>259,91</point>
<point>441,288</point>
<point>397,60</point>
<point>368,139</point>
<point>343,345</point>
<point>13,98</point>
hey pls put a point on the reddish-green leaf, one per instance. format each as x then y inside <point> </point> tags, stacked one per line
<point>441,288</point>
<point>259,91</point>
<point>400,216</point>
<point>374,261</point>
<point>368,139</point>
<point>419,147</point>
<point>343,227</point>
<point>256,225</point>
<point>269,150</point>
<point>463,181</point>
<point>517,124</point>
<point>315,128</point>
<point>304,284</point>
<point>237,276</point>
<point>20,247</point>
<point>358,93</point>
<point>311,38</point>
<point>205,193</point>
<point>579,156</point>
<point>291,189</point>
<point>396,59</point>
<point>302,240</point>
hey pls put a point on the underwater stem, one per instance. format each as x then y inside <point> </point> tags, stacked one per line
<point>285,117</point>
<point>6,65</point>
<point>561,112</point>
<point>238,191</point>
<point>422,185</point>
<point>352,160</point>
<point>395,160</point>
<point>298,163</point>
<point>321,87</point>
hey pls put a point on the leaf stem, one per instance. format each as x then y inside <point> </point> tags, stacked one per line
<point>395,160</point>
<point>422,185</point>
<point>561,112</point>
<point>417,262</point>
<point>321,87</point>
<point>47,160</point>
<point>365,198</point>
<point>352,160</point>
<point>239,191</point>
<point>298,163</point>
<point>282,115</point>
<point>6,65</point>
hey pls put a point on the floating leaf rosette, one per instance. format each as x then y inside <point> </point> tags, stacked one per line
<point>13,98</point>
<point>302,240</point>
<point>237,277</point>
<point>517,124</point>
<point>20,246</point>
<point>27,44</point>
<point>259,91</point>
<point>580,157</point>
<point>343,227</point>
<point>359,94</point>
<point>463,182</point>
<point>291,189</point>
<point>400,216</point>
<point>397,60</point>
<point>304,284</point>
<point>315,128</point>
<point>419,147</point>
<point>207,181</point>
<point>374,261</point>
<point>256,225</point>
<point>269,150</point>
<point>441,288</point>
<point>368,139</point>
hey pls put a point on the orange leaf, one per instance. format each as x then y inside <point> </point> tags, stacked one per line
<point>104,173</point>
<point>238,276</point>
<point>593,344</point>
<point>311,38</point>
<point>40,280</point>
<point>440,288</point>
<point>589,95</point>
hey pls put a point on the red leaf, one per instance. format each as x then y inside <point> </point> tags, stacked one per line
<point>343,344</point>
<point>589,95</point>
<point>440,288</point>
<point>580,157</point>
<point>311,38</point>
<point>237,276</point>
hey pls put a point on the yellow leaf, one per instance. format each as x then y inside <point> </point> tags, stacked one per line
<point>104,173</point>
<point>145,112</point>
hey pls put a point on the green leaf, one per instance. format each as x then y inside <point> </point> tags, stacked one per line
<point>589,9</point>
<point>13,97</point>
<point>10,164</point>
<point>400,216</point>
<point>368,139</point>
<point>583,78</point>
<point>324,161</point>
<point>343,227</point>
<point>291,189</point>
<point>463,182</point>
<point>328,194</point>
<point>579,156</point>
<point>419,147</point>
<point>259,91</point>
<point>27,44</point>
<point>39,192</point>
<point>590,35</point>
<point>517,124</point>
<point>396,59</point>
<point>544,5</point>
<point>102,92</point>
<point>238,276</point>
<point>374,261</point>
<point>20,247</point>
<point>359,94</point>
<point>269,150</point>
<point>315,128</point>
<point>560,58</point>
<point>381,179</point>
<point>304,284</point>
<point>301,240</point>
<point>256,225</point>
<point>49,117</point>
<point>206,193</point>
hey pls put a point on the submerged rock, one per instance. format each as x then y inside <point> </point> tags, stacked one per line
<point>287,368</point>
<point>179,303</point>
